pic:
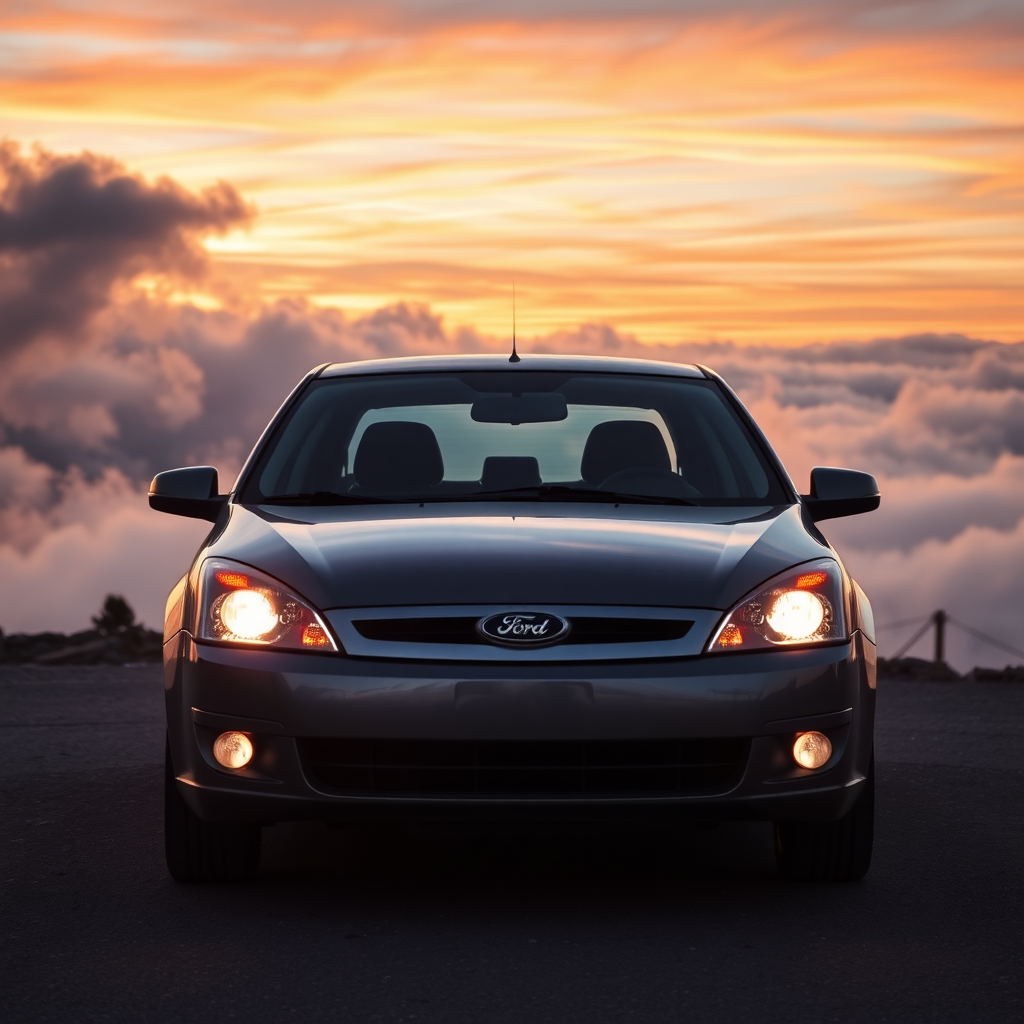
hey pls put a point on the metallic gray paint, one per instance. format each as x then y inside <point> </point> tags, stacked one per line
<point>279,697</point>
<point>448,363</point>
<point>468,553</point>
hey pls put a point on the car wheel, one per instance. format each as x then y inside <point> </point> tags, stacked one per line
<point>829,851</point>
<point>205,851</point>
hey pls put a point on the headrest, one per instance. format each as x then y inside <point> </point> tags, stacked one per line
<point>398,458</point>
<point>623,444</point>
<point>504,472</point>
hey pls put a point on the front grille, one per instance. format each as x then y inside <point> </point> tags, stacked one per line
<point>525,768</point>
<point>462,630</point>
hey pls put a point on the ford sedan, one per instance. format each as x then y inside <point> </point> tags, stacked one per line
<point>559,588</point>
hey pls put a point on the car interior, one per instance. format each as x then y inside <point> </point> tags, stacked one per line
<point>450,438</point>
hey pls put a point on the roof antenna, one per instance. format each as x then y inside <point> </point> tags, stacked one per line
<point>514,358</point>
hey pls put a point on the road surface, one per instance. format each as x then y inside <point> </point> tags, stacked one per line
<point>478,927</point>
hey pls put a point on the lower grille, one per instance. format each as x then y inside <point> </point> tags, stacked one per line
<point>590,629</point>
<point>519,768</point>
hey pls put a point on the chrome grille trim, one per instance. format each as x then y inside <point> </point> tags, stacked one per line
<point>442,633</point>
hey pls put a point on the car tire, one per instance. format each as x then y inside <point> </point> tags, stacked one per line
<point>205,851</point>
<point>829,851</point>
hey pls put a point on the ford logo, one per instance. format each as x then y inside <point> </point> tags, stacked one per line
<point>523,629</point>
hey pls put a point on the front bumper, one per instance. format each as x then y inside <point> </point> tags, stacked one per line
<point>282,699</point>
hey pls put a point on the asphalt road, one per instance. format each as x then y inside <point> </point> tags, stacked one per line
<point>484,927</point>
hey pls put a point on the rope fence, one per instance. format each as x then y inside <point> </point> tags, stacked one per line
<point>937,620</point>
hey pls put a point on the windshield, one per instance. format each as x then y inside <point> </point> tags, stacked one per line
<point>512,435</point>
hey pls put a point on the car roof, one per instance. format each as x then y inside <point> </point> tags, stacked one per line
<point>432,364</point>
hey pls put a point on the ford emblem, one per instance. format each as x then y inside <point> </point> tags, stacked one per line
<point>523,629</point>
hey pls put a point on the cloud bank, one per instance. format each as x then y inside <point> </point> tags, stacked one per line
<point>70,227</point>
<point>104,382</point>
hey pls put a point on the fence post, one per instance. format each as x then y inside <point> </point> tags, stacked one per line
<point>939,618</point>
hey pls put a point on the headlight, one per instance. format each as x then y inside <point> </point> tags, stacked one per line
<point>243,606</point>
<point>802,606</point>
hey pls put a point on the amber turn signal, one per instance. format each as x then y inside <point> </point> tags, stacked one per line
<point>314,636</point>
<point>731,636</point>
<point>232,579</point>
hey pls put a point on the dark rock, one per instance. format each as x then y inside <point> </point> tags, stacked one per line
<point>916,668</point>
<point>87,647</point>
<point>1010,674</point>
<point>76,654</point>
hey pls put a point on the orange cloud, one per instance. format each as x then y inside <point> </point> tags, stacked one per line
<point>774,175</point>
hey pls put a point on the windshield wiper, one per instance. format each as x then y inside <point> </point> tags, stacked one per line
<point>560,492</point>
<point>545,492</point>
<point>327,498</point>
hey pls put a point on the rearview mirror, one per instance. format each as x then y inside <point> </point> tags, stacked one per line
<point>188,492</point>
<point>840,492</point>
<point>536,407</point>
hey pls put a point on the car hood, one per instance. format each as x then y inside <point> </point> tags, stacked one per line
<point>448,555</point>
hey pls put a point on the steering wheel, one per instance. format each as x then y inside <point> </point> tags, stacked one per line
<point>651,480</point>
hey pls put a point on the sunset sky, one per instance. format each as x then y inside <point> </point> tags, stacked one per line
<point>783,172</point>
<point>822,200</point>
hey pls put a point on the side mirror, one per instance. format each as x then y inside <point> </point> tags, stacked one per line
<point>188,492</point>
<point>840,492</point>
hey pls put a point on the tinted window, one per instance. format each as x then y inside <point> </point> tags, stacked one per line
<point>517,434</point>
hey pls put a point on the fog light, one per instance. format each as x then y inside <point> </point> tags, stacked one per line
<point>234,749</point>
<point>812,749</point>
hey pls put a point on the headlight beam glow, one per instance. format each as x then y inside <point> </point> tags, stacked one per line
<point>242,605</point>
<point>796,614</point>
<point>248,614</point>
<point>804,605</point>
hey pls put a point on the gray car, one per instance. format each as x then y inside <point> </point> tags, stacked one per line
<point>559,588</point>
